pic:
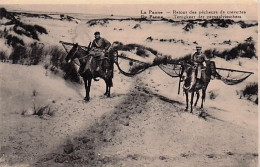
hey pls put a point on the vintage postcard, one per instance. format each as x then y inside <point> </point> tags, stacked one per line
<point>119,83</point>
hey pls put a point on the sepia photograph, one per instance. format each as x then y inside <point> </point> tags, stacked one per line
<point>129,84</point>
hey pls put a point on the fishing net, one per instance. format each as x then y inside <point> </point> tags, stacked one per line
<point>67,46</point>
<point>129,66</point>
<point>232,77</point>
<point>172,70</point>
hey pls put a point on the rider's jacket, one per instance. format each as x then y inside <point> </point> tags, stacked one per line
<point>100,43</point>
<point>198,58</point>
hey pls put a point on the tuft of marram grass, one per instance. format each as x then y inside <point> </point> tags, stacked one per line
<point>251,89</point>
<point>251,92</point>
<point>42,110</point>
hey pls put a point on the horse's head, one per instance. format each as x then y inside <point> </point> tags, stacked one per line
<point>72,53</point>
<point>187,75</point>
<point>187,71</point>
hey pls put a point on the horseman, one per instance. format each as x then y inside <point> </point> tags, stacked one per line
<point>198,59</point>
<point>99,49</point>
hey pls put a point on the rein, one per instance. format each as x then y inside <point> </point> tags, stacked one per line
<point>76,63</point>
<point>80,57</point>
<point>83,57</point>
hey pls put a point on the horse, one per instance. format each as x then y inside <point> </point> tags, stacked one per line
<point>85,59</point>
<point>193,85</point>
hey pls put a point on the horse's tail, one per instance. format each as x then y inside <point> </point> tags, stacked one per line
<point>108,67</point>
<point>107,63</point>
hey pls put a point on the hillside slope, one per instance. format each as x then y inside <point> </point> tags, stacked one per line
<point>137,126</point>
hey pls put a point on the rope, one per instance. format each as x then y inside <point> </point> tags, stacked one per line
<point>127,58</point>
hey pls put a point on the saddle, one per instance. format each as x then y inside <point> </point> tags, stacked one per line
<point>204,72</point>
<point>91,65</point>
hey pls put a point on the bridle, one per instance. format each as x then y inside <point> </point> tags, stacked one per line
<point>185,75</point>
<point>78,57</point>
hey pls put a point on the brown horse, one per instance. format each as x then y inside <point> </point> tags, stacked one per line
<point>192,85</point>
<point>106,72</point>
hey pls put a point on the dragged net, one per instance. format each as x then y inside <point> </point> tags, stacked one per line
<point>172,70</point>
<point>131,67</point>
<point>231,77</point>
<point>67,46</point>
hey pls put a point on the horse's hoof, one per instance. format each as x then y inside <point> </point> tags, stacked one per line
<point>186,109</point>
<point>105,94</point>
<point>202,115</point>
<point>86,98</point>
<point>108,95</point>
<point>95,79</point>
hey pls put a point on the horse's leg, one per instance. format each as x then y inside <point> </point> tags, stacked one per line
<point>203,97</point>
<point>187,100</point>
<point>109,85</point>
<point>86,89</point>
<point>198,96</point>
<point>191,101</point>
<point>89,85</point>
<point>109,88</point>
<point>106,88</point>
<point>204,90</point>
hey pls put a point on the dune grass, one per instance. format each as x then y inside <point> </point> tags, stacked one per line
<point>223,23</point>
<point>246,50</point>
<point>3,55</point>
<point>36,53</point>
<point>250,90</point>
<point>13,40</point>
<point>21,28</point>
<point>39,111</point>
<point>140,49</point>
<point>28,30</point>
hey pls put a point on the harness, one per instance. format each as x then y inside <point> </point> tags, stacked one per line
<point>97,44</point>
<point>83,57</point>
<point>80,57</point>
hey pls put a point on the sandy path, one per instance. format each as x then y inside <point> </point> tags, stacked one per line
<point>137,126</point>
<point>26,138</point>
<point>81,34</point>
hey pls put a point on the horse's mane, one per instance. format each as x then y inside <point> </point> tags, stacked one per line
<point>188,68</point>
<point>82,51</point>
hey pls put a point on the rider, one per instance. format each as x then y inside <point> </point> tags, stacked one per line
<point>99,48</point>
<point>198,59</point>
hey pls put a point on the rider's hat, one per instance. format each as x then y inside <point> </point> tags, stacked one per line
<point>97,33</point>
<point>198,47</point>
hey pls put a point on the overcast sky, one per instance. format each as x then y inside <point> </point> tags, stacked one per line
<point>134,10</point>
